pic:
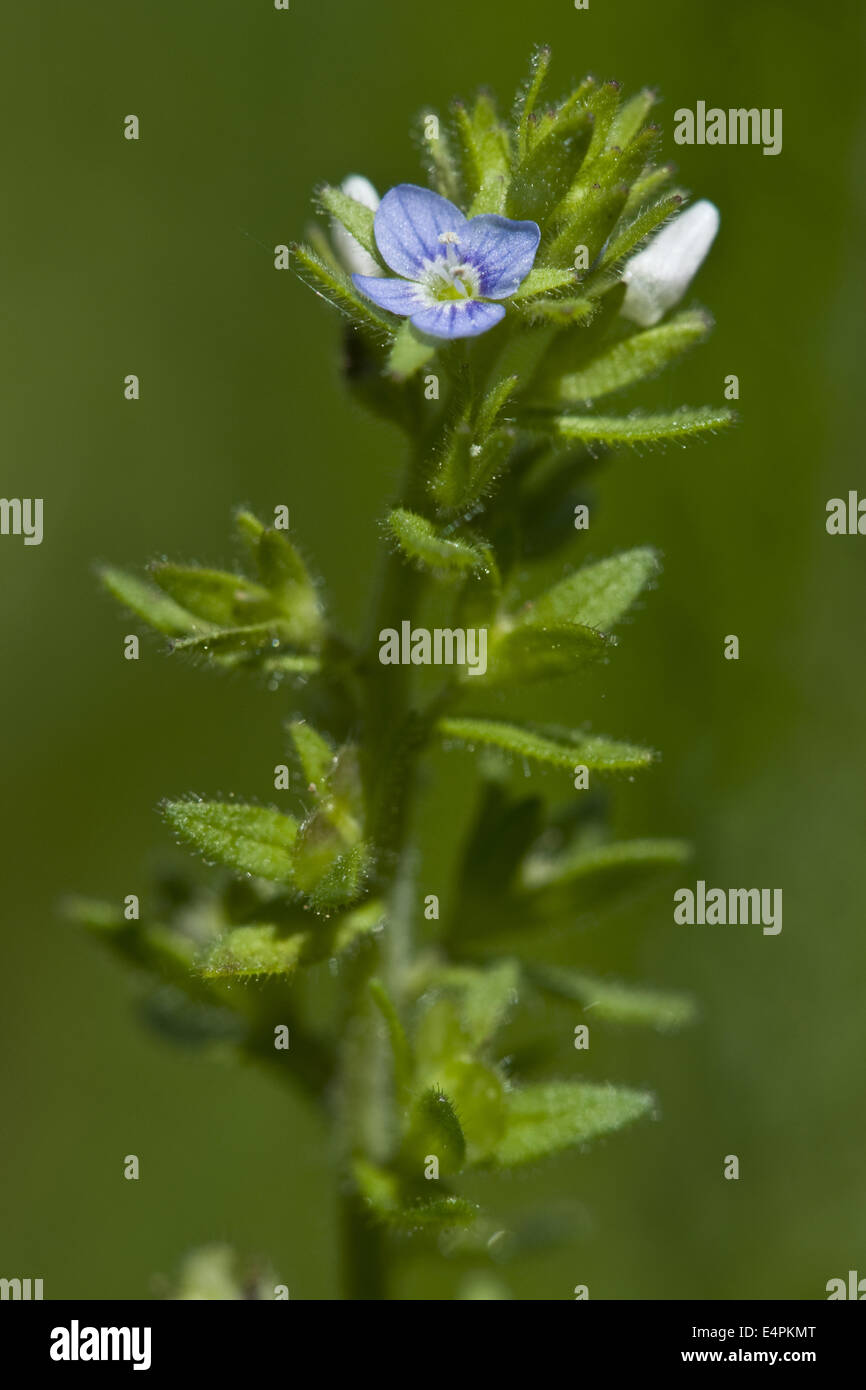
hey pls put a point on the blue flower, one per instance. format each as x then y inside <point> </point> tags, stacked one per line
<point>450,266</point>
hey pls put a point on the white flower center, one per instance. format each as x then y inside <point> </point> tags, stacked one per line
<point>447,277</point>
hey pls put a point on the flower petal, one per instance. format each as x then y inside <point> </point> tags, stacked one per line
<point>501,250</point>
<point>458,318</point>
<point>398,296</point>
<point>659,276</point>
<point>409,223</point>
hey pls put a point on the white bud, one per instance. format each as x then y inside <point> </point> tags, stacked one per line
<point>356,260</point>
<point>658,277</point>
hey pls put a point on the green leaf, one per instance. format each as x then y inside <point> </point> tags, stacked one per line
<point>551,165</point>
<point>410,350</point>
<point>254,950</point>
<point>526,103</point>
<point>442,169</point>
<point>493,403</point>
<point>615,863</point>
<point>630,118</point>
<point>214,595</point>
<point>420,541</point>
<point>315,753</point>
<point>149,603</point>
<point>248,839</point>
<point>542,280</point>
<point>281,568</point>
<point>618,1003</point>
<point>336,288</point>
<point>529,653</point>
<point>603,102</point>
<point>242,642</point>
<point>588,224</point>
<point>633,232</point>
<point>435,1129</point>
<point>559,313</point>
<point>250,529</point>
<point>485,155</point>
<point>557,1115</point>
<point>400,1050</point>
<point>355,217</point>
<point>640,429</point>
<point>632,359</point>
<point>344,881</point>
<point>648,186</point>
<point>596,753</point>
<point>476,450</point>
<point>386,1199</point>
<point>596,596</point>
<point>488,997</point>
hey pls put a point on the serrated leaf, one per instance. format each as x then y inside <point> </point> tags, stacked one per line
<point>422,542</point>
<point>410,350</point>
<point>215,596</point>
<point>546,1119</point>
<point>596,753</point>
<point>633,359</point>
<point>354,216</point>
<point>614,1002</point>
<point>249,839</point>
<point>638,429</point>
<point>596,596</point>
<point>254,950</point>
<point>148,602</point>
<point>336,288</point>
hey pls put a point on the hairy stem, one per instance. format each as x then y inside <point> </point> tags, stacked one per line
<point>392,738</point>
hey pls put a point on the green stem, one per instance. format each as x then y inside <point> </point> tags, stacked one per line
<point>391,740</point>
<point>363,1251</point>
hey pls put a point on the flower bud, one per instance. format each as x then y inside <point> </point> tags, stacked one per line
<point>355,259</point>
<point>658,277</point>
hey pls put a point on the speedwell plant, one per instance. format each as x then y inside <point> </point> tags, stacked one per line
<point>494,314</point>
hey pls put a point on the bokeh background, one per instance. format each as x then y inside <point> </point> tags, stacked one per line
<point>155,258</point>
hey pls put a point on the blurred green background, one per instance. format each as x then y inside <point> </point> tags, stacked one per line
<point>155,258</point>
